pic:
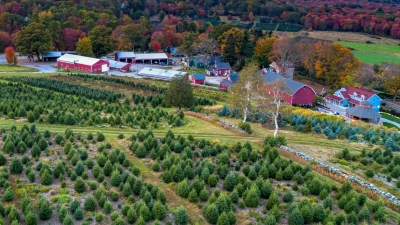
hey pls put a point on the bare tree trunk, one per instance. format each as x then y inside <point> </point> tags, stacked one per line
<point>244,114</point>
<point>38,56</point>
<point>278,104</point>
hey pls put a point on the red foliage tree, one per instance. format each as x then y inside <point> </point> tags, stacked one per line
<point>201,13</point>
<point>10,54</point>
<point>156,46</point>
<point>71,37</point>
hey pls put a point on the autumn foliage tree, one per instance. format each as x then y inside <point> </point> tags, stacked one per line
<point>9,54</point>
<point>155,46</point>
<point>392,79</point>
<point>84,47</point>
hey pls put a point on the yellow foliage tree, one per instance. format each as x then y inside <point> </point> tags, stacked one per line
<point>84,47</point>
<point>237,34</point>
<point>264,46</point>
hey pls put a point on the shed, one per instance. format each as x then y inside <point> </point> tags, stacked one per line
<point>198,78</point>
<point>51,56</point>
<point>225,84</point>
<point>121,66</point>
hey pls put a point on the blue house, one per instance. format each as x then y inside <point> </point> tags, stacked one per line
<point>351,96</point>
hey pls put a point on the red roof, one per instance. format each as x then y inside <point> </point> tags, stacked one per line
<point>354,101</point>
<point>345,94</point>
<point>334,97</point>
<point>360,91</point>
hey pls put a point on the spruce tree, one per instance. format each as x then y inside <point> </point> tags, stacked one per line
<point>8,195</point>
<point>68,220</point>
<point>181,216</point>
<point>3,159</point>
<point>62,212</point>
<point>252,199</point>
<point>79,185</point>
<point>211,213</point>
<point>295,217</point>
<point>108,169</point>
<point>158,211</point>
<point>131,215</point>
<point>78,215</point>
<point>31,219</point>
<point>247,47</point>
<point>229,52</point>
<point>230,181</point>
<point>46,178</point>
<point>116,178</point>
<point>16,166</point>
<point>223,219</point>
<point>44,209</point>
<point>90,203</point>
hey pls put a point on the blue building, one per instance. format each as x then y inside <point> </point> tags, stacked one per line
<point>349,97</point>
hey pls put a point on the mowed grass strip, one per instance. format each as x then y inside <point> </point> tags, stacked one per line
<point>378,48</point>
<point>390,117</point>
<point>389,125</point>
<point>375,58</point>
<point>8,68</point>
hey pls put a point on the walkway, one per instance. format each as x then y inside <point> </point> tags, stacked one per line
<point>389,121</point>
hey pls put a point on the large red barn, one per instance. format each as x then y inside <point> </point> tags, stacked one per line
<point>83,63</point>
<point>298,93</point>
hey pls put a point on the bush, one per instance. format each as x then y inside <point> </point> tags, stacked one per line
<point>246,127</point>
<point>79,185</point>
<point>90,203</point>
<point>369,173</point>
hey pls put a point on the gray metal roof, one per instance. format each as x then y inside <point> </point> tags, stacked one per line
<point>227,83</point>
<point>126,54</point>
<point>363,112</point>
<point>78,59</point>
<point>223,65</point>
<point>293,86</point>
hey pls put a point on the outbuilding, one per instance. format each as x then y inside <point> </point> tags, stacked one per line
<point>160,74</point>
<point>199,78</point>
<point>120,66</point>
<point>364,112</point>
<point>297,93</point>
<point>83,63</point>
<point>145,58</point>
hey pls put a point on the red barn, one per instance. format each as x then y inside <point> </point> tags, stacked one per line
<point>298,93</point>
<point>198,78</point>
<point>83,63</point>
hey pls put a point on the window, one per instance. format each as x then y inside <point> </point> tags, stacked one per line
<point>95,69</point>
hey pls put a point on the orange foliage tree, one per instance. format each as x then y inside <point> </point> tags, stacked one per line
<point>264,46</point>
<point>10,54</point>
<point>156,46</point>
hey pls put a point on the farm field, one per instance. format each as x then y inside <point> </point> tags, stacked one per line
<point>378,48</point>
<point>375,58</point>
<point>7,68</point>
<point>335,36</point>
<point>106,150</point>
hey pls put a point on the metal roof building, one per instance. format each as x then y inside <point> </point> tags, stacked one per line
<point>115,65</point>
<point>363,112</point>
<point>83,63</point>
<point>149,58</point>
<point>160,73</point>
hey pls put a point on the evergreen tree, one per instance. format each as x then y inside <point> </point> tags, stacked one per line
<point>90,203</point>
<point>158,211</point>
<point>364,214</point>
<point>211,213</point>
<point>3,159</point>
<point>295,217</point>
<point>272,201</point>
<point>79,185</point>
<point>68,220</point>
<point>223,219</point>
<point>62,212</point>
<point>16,166</point>
<point>252,199</point>
<point>180,216</point>
<point>116,178</point>
<point>229,52</point>
<point>179,93</point>
<point>46,178</point>
<point>44,209</point>
<point>247,47</point>
<point>31,219</point>
<point>230,181</point>
<point>8,195</point>
<point>319,214</point>
<point>108,169</point>
<point>78,215</point>
<point>131,215</point>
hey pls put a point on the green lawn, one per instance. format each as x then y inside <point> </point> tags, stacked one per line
<point>389,125</point>
<point>390,117</point>
<point>379,48</point>
<point>378,58</point>
<point>194,70</point>
<point>8,68</point>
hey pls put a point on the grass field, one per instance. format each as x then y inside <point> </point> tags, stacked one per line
<point>378,58</point>
<point>379,48</point>
<point>7,68</point>
<point>194,70</point>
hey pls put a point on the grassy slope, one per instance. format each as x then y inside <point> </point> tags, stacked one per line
<point>375,58</point>
<point>7,68</point>
<point>379,48</point>
<point>389,125</point>
<point>390,117</point>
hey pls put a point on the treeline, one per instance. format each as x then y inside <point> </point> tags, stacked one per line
<point>145,87</point>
